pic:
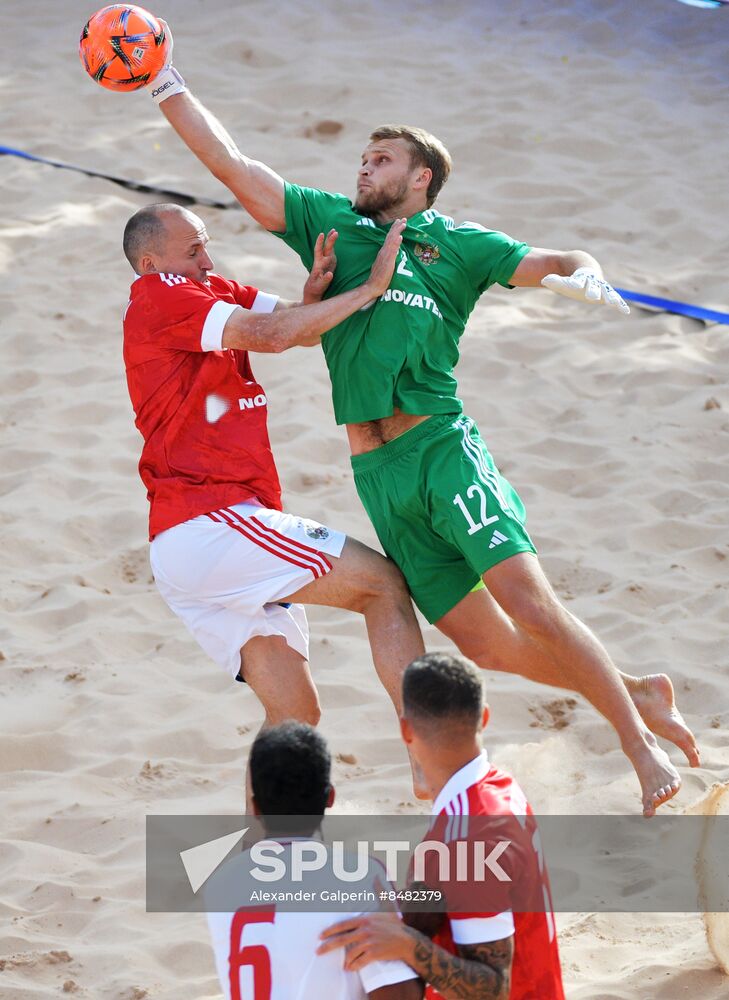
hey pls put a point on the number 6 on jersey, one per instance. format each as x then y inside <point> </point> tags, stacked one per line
<point>255,956</point>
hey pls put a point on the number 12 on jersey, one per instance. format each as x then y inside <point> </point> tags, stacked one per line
<point>474,526</point>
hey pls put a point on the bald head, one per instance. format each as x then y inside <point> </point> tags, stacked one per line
<point>167,238</point>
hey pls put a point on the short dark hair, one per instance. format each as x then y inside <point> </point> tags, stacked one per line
<point>438,688</point>
<point>425,150</point>
<point>144,231</point>
<point>290,767</point>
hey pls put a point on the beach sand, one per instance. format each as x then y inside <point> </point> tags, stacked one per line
<point>577,124</point>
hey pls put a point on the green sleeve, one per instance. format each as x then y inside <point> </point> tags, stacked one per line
<point>308,213</point>
<point>490,257</point>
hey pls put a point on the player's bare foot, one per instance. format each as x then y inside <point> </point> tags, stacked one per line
<point>653,697</point>
<point>659,779</point>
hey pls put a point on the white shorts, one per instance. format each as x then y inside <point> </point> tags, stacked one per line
<point>224,574</point>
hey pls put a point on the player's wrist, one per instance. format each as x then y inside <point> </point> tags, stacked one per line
<point>370,290</point>
<point>166,84</point>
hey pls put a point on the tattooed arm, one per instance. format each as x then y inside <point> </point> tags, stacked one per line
<point>477,972</point>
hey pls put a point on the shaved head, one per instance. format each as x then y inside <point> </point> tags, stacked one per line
<point>146,231</point>
<point>441,692</point>
<point>167,238</point>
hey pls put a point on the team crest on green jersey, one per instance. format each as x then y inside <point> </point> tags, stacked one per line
<point>427,253</point>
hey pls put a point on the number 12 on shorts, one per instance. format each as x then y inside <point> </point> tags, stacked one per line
<point>474,526</point>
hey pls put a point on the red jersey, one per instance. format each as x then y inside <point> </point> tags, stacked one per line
<point>200,411</point>
<point>481,790</point>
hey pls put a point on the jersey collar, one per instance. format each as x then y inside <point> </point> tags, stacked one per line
<point>461,781</point>
<point>413,220</point>
<point>138,276</point>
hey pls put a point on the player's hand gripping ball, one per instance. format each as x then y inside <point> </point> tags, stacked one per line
<point>123,47</point>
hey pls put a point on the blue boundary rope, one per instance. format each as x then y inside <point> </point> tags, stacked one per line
<point>180,196</point>
<point>664,305</point>
<point>671,306</point>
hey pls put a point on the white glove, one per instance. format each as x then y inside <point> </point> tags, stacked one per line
<point>585,286</point>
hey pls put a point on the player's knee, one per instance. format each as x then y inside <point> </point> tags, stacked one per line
<point>379,581</point>
<point>305,710</point>
<point>389,586</point>
<point>543,619</point>
<point>485,655</point>
<point>309,709</point>
<point>312,713</point>
<point>392,581</point>
<point>298,702</point>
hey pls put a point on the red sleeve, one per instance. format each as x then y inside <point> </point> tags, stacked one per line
<point>244,295</point>
<point>176,313</point>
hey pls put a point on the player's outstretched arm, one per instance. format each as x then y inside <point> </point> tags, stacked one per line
<point>573,273</point>
<point>259,189</point>
<point>303,326</point>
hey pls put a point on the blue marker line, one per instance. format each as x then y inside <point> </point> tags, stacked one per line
<point>671,306</point>
<point>9,151</point>
<point>179,196</point>
<point>707,4</point>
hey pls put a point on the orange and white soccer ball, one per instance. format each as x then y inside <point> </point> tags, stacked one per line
<point>123,47</point>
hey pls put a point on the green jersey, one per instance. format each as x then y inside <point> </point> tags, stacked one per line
<point>401,350</point>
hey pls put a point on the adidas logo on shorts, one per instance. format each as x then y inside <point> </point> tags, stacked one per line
<point>497,539</point>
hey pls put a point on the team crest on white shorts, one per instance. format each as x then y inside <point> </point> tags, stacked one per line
<point>314,530</point>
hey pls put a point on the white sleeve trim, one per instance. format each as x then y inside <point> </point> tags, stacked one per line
<point>377,974</point>
<point>212,332</point>
<point>264,303</point>
<point>481,930</point>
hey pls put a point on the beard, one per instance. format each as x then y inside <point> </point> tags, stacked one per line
<point>372,201</point>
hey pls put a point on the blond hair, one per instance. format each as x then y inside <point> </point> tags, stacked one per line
<point>425,150</point>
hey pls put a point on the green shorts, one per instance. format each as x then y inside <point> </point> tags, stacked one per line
<point>441,509</point>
